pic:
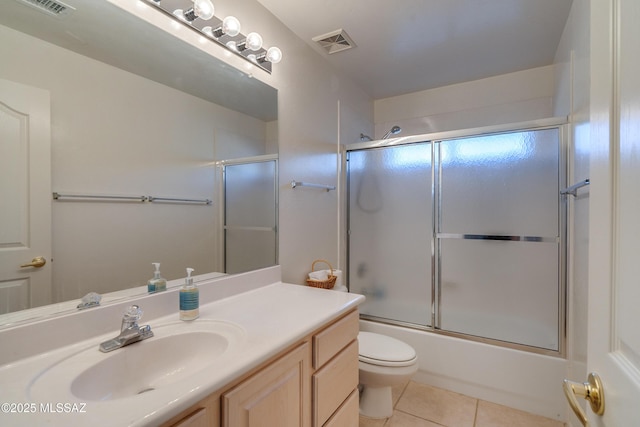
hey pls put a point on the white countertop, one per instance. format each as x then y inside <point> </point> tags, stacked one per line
<point>273,317</point>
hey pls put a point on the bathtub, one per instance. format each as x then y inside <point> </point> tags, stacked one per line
<point>527,381</point>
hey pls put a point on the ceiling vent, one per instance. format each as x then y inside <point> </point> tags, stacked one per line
<point>50,7</point>
<point>335,41</point>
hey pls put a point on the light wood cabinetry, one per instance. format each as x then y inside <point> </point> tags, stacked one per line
<point>311,384</point>
<point>334,382</point>
<point>335,379</point>
<point>329,341</point>
<point>205,413</point>
<point>278,395</point>
<point>348,414</point>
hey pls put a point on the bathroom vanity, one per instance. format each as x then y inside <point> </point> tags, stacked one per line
<point>272,353</point>
<point>313,383</point>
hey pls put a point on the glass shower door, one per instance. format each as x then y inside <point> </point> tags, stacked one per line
<point>390,231</point>
<point>499,235</point>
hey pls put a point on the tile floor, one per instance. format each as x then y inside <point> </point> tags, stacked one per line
<point>420,405</point>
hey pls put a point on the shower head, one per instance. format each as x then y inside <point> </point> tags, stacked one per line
<point>364,137</point>
<point>393,131</point>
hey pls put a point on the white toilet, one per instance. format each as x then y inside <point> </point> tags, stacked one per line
<point>384,363</point>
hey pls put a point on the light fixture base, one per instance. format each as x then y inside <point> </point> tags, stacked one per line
<point>198,25</point>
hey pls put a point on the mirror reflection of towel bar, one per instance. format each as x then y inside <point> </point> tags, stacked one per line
<point>295,184</point>
<point>80,197</point>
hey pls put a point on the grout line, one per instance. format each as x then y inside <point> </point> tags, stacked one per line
<point>475,415</point>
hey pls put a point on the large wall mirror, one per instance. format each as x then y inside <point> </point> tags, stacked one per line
<point>131,111</point>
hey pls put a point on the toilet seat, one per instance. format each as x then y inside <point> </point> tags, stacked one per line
<point>383,350</point>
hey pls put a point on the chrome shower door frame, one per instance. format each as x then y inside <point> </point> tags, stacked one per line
<point>435,139</point>
<point>222,215</point>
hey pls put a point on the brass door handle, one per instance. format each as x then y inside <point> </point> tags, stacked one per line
<point>37,262</point>
<point>591,390</point>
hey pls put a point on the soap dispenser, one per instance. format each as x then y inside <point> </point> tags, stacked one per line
<point>189,299</point>
<point>158,283</point>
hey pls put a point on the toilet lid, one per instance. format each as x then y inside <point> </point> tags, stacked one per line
<point>384,351</point>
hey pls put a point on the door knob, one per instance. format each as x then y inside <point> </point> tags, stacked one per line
<point>591,390</point>
<point>37,262</point>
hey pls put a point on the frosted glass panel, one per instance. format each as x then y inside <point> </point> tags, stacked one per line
<point>250,216</point>
<point>248,250</point>
<point>498,246</point>
<point>502,290</point>
<point>390,224</point>
<point>250,194</point>
<point>501,184</point>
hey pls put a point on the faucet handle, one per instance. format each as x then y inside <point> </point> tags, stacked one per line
<point>133,313</point>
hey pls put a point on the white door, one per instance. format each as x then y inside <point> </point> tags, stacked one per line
<point>25,196</point>
<point>614,215</point>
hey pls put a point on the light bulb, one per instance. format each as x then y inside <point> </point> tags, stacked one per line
<point>203,9</point>
<point>232,45</point>
<point>231,26</point>
<point>179,13</point>
<point>208,31</point>
<point>253,41</point>
<point>274,55</point>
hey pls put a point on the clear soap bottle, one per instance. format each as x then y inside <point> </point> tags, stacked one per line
<point>158,283</point>
<point>189,299</point>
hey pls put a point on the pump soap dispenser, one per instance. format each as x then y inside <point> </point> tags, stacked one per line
<point>158,283</point>
<point>189,299</point>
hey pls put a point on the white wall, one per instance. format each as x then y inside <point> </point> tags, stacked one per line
<point>318,109</point>
<point>572,99</point>
<point>116,133</point>
<point>509,98</point>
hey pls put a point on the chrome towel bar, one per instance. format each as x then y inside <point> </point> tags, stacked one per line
<point>573,190</point>
<point>295,184</point>
<point>59,196</point>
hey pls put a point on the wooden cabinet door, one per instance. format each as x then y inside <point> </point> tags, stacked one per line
<point>205,413</point>
<point>278,395</point>
<point>197,419</point>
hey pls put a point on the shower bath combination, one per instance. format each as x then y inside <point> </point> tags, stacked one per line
<point>393,131</point>
<point>424,259</point>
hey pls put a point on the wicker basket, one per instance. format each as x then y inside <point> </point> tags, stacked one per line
<point>324,284</point>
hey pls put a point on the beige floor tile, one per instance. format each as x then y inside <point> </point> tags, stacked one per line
<point>400,419</point>
<point>397,391</point>
<point>437,405</point>
<point>370,422</point>
<point>493,415</point>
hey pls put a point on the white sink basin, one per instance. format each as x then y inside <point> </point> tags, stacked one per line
<point>178,351</point>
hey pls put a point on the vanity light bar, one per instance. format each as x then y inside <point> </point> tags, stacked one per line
<point>198,15</point>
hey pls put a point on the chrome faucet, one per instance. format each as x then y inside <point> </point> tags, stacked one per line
<point>130,332</point>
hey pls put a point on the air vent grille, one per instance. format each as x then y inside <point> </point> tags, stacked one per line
<point>55,8</point>
<point>335,41</point>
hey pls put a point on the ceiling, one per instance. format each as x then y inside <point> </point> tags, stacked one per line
<point>410,45</point>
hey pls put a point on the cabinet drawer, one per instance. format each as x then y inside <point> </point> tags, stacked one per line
<point>331,340</point>
<point>348,415</point>
<point>334,383</point>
